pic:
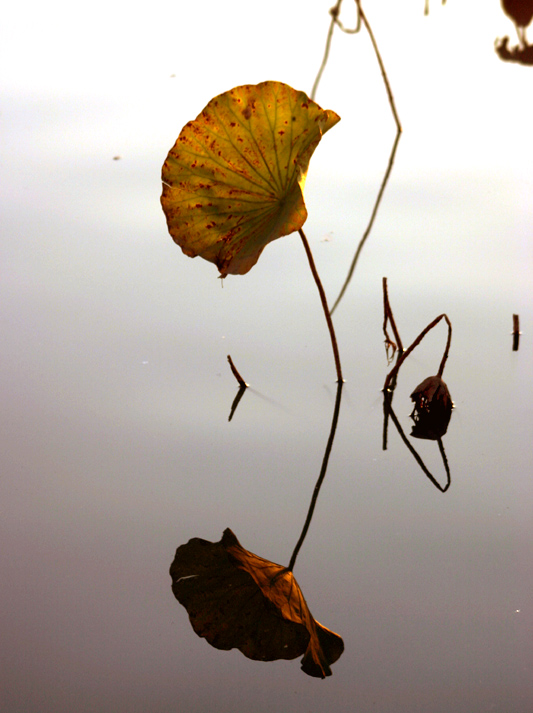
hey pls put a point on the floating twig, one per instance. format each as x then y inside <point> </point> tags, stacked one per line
<point>242,382</point>
<point>242,387</point>
<point>516,332</point>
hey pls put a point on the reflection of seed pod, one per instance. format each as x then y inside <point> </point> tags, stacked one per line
<point>432,410</point>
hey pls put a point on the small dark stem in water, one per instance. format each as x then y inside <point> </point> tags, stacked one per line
<point>236,400</point>
<point>320,477</point>
<point>516,332</point>
<point>242,382</point>
<point>324,305</point>
<point>389,317</point>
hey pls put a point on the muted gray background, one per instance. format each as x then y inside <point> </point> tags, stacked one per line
<point>115,444</point>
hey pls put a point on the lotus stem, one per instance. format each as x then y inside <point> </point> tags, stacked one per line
<point>324,306</point>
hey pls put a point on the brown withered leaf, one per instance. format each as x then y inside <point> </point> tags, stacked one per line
<point>236,599</point>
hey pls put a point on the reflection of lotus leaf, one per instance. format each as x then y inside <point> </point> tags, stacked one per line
<point>233,181</point>
<point>236,599</point>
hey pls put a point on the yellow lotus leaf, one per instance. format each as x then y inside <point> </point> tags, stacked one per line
<point>233,181</point>
<point>236,599</point>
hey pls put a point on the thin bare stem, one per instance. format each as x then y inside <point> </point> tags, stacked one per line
<point>387,407</point>
<point>392,374</point>
<point>370,222</point>
<point>389,317</point>
<point>516,332</point>
<point>447,350</point>
<point>385,430</point>
<point>236,401</point>
<point>426,6</point>
<point>334,12</point>
<point>444,459</point>
<point>324,305</point>
<point>242,382</point>
<point>381,65</point>
<point>391,157</point>
<point>321,476</point>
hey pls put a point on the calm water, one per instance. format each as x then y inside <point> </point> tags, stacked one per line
<point>115,440</point>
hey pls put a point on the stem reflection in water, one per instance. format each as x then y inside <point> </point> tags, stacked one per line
<point>321,477</point>
<point>433,405</point>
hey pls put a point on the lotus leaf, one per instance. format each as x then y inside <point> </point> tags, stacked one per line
<point>233,181</point>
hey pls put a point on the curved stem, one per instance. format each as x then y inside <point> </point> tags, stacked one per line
<point>381,65</point>
<point>417,341</point>
<point>370,222</point>
<point>324,306</point>
<point>387,408</point>
<point>334,14</point>
<point>448,342</point>
<point>320,477</point>
<point>389,317</point>
<point>384,182</point>
<point>235,372</point>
